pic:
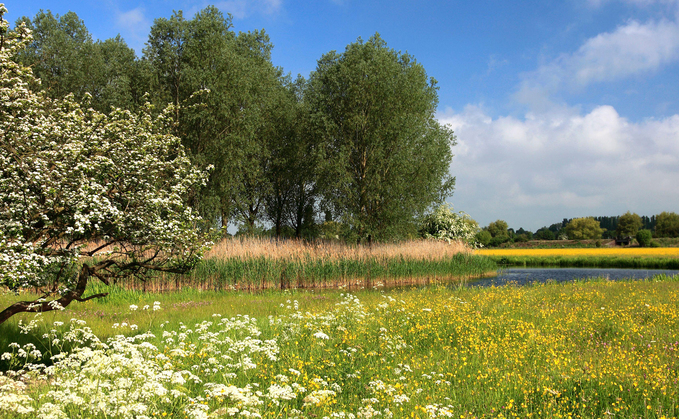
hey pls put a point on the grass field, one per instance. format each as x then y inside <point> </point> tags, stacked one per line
<point>629,257</point>
<point>584,349</point>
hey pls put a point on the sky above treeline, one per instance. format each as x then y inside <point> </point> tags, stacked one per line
<point>562,109</point>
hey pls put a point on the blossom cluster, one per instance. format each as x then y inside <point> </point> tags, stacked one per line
<point>71,176</point>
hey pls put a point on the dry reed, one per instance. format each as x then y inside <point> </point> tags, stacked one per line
<point>299,250</point>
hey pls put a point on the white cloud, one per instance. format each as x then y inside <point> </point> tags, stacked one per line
<point>535,170</point>
<point>243,8</point>
<point>134,27</point>
<point>633,48</point>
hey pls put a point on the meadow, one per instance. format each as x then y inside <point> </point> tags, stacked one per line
<point>586,349</point>
<point>605,257</point>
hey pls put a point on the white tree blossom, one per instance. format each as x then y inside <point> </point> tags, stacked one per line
<point>75,182</point>
<point>445,224</point>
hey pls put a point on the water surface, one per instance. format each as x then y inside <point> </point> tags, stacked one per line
<point>523,276</point>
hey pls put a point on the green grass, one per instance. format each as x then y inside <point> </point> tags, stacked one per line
<point>591,348</point>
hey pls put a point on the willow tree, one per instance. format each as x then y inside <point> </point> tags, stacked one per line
<point>386,157</point>
<point>230,124</point>
<point>75,183</point>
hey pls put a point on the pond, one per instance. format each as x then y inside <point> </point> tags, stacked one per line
<point>523,276</point>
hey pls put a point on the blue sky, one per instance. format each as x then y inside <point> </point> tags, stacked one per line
<point>562,109</point>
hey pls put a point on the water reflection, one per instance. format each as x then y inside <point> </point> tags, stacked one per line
<point>523,276</point>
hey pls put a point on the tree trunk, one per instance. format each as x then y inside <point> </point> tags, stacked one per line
<point>65,300</point>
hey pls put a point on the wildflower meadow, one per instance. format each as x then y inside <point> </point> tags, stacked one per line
<point>591,348</point>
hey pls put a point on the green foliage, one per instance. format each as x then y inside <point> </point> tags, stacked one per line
<point>583,229</point>
<point>498,240</point>
<point>64,57</point>
<point>483,237</point>
<point>544,234</point>
<point>644,238</point>
<point>628,225</point>
<point>667,224</point>
<point>386,158</point>
<point>498,228</point>
<point>444,224</point>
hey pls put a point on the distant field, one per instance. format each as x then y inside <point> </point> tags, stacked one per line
<point>605,257</point>
<point>627,252</point>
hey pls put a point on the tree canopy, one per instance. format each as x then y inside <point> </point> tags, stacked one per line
<point>667,224</point>
<point>628,225</point>
<point>385,156</point>
<point>586,228</point>
<point>75,182</point>
<point>358,141</point>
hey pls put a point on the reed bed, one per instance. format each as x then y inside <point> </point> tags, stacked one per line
<point>255,264</point>
<point>299,250</point>
<point>635,257</point>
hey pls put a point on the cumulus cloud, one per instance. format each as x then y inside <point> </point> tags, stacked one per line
<point>134,26</point>
<point>243,8</point>
<point>539,168</point>
<point>633,48</point>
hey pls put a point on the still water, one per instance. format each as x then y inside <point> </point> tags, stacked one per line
<point>522,276</point>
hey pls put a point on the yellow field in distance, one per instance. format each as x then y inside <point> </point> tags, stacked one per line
<point>657,252</point>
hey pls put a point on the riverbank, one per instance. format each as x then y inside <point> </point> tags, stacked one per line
<point>629,257</point>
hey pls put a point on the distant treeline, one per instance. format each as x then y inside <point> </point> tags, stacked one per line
<point>353,150</point>
<point>665,224</point>
<point>608,223</point>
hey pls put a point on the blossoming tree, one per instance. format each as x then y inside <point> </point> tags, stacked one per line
<point>84,194</point>
<point>445,224</point>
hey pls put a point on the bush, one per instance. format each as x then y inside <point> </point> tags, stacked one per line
<point>497,241</point>
<point>444,224</point>
<point>597,243</point>
<point>483,237</point>
<point>655,243</point>
<point>644,238</point>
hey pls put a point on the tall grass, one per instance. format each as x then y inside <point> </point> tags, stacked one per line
<point>255,264</point>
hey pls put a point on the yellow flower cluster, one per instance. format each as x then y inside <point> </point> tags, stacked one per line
<point>631,252</point>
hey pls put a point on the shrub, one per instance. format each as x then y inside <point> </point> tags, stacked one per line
<point>644,238</point>
<point>444,224</point>
<point>483,237</point>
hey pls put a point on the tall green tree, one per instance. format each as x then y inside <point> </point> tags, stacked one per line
<point>628,225</point>
<point>667,224</point>
<point>232,97</point>
<point>586,228</point>
<point>66,59</point>
<point>498,228</point>
<point>386,158</point>
<point>293,169</point>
